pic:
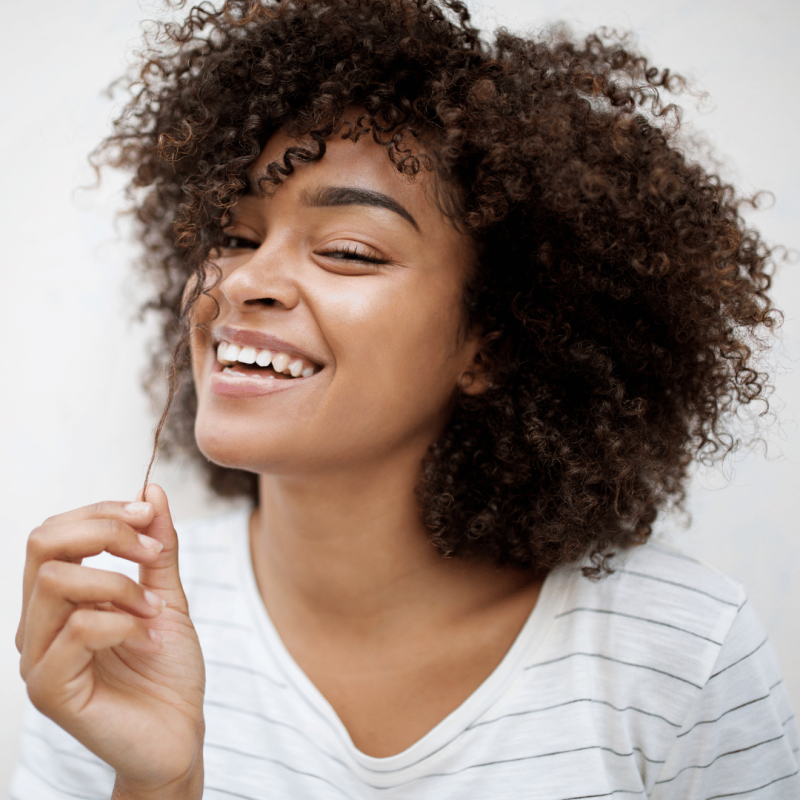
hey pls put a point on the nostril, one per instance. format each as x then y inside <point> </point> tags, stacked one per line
<point>261,301</point>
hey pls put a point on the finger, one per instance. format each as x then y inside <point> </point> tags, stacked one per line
<point>60,679</point>
<point>161,574</point>
<point>75,540</point>
<point>135,513</point>
<point>60,587</point>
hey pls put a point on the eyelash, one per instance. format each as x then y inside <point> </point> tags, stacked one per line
<point>342,253</point>
<point>347,253</point>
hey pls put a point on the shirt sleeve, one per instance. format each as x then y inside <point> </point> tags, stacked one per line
<point>740,737</point>
<point>54,766</point>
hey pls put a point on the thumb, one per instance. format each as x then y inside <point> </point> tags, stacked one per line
<point>162,575</point>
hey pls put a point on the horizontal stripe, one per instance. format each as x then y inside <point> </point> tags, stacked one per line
<point>248,670</point>
<point>271,737</point>
<point>88,757</point>
<point>721,755</point>
<point>641,619</point>
<point>673,554</point>
<point>739,661</point>
<point>517,714</point>
<point>467,768</point>
<point>676,583</point>
<point>605,794</point>
<point>229,793</point>
<point>724,714</point>
<point>281,764</point>
<point>572,702</point>
<point>757,788</point>
<point>532,757</point>
<point>615,661</point>
<point>278,723</point>
<point>61,789</point>
<point>326,753</point>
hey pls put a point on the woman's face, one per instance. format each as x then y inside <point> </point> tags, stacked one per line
<point>348,271</point>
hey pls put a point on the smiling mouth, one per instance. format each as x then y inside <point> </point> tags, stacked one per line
<point>250,362</point>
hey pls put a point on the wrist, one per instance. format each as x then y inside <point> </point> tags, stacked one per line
<point>188,786</point>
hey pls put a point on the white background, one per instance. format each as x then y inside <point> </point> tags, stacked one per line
<point>75,426</point>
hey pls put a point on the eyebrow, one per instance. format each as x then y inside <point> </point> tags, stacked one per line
<point>331,196</point>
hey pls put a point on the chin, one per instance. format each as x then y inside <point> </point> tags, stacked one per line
<point>222,451</point>
<point>268,452</point>
<point>227,447</point>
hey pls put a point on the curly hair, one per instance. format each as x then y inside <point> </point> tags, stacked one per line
<point>620,289</point>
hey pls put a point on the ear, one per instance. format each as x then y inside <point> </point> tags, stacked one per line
<point>477,377</point>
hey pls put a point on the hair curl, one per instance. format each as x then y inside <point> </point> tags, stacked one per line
<point>618,282</point>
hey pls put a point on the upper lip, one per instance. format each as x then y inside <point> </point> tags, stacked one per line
<point>245,337</point>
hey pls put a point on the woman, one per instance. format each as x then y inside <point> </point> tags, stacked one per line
<point>459,318</point>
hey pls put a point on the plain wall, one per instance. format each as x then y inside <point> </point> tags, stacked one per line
<point>76,427</point>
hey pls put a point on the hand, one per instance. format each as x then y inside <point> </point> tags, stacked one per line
<point>115,663</point>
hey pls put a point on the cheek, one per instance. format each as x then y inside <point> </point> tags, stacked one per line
<point>400,347</point>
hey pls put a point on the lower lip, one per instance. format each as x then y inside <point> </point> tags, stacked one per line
<point>229,384</point>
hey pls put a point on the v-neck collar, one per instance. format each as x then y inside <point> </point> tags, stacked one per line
<point>385,770</point>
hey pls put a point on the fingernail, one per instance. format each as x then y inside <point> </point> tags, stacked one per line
<point>149,543</point>
<point>156,638</point>
<point>137,509</point>
<point>154,600</point>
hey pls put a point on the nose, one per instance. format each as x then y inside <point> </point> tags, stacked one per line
<point>262,278</point>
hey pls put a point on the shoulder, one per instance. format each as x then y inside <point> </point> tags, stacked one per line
<point>657,574</point>
<point>659,608</point>
<point>647,637</point>
<point>675,647</point>
<point>738,734</point>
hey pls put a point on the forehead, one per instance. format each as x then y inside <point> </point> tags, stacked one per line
<point>363,165</point>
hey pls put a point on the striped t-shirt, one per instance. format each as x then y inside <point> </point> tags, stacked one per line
<point>655,682</point>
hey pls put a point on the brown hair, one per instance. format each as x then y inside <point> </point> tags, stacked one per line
<point>621,288</point>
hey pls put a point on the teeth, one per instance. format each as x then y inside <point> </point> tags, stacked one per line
<point>232,352</point>
<point>263,358</point>
<point>247,355</point>
<point>229,354</point>
<point>280,361</point>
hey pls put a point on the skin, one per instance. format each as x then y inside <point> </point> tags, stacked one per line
<point>140,666</point>
<point>393,635</point>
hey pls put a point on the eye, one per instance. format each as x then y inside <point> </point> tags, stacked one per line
<point>238,243</point>
<point>353,253</point>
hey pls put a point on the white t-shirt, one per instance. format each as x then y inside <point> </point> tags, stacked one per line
<point>655,682</point>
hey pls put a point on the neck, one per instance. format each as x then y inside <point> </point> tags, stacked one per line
<point>350,548</point>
